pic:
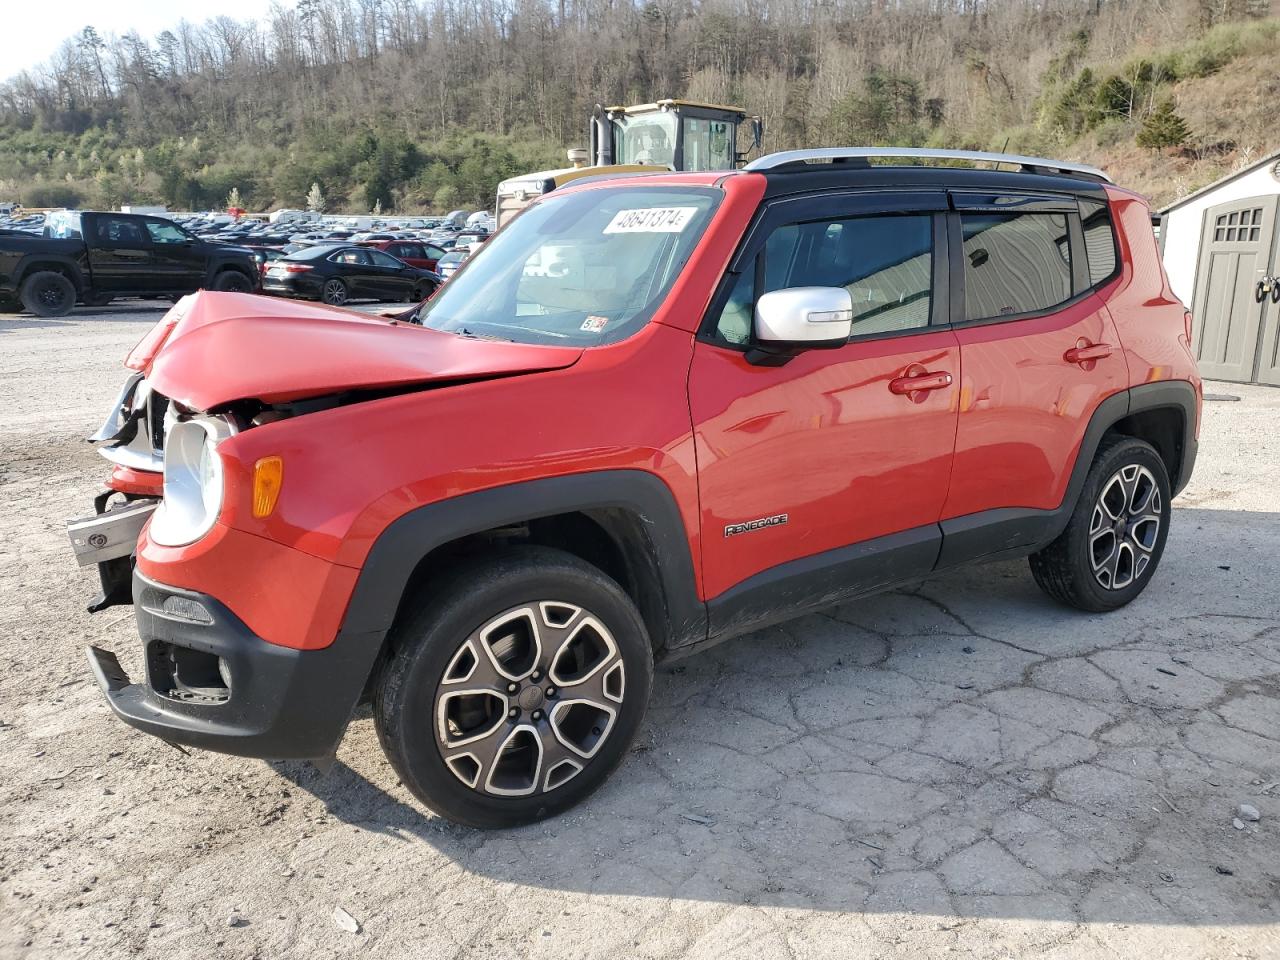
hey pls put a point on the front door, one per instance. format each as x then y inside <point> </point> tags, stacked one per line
<point>800,462</point>
<point>391,277</point>
<point>1236,254</point>
<point>179,258</point>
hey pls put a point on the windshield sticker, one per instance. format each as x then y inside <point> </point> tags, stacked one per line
<point>651,220</point>
<point>594,324</point>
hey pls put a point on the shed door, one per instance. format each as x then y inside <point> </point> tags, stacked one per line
<point>1235,253</point>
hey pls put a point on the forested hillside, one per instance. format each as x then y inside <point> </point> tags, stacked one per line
<point>426,104</point>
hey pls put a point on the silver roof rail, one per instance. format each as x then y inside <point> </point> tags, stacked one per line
<point>1030,164</point>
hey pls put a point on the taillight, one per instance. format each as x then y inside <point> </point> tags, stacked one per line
<point>297,268</point>
<point>1186,325</point>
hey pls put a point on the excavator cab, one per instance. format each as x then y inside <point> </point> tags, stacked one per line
<point>666,135</point>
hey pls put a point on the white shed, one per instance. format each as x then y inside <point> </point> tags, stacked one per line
<point>1220,251</point>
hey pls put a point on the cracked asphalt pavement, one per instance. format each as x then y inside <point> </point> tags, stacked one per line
<point>960,768</point>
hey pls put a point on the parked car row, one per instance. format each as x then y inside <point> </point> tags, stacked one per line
<point>49,263</point>
<point>337,273</point>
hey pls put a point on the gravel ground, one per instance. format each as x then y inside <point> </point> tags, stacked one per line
<point>959,769</point>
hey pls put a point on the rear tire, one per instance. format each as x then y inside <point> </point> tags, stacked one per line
<point>232,281</point>
<point>1113,542</point>
<point>534,639</point>
<point>48,294</point>
<point>422,291</point>
<point>334,292</point>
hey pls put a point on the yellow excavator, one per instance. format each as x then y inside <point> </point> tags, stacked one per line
<point>668,134</point>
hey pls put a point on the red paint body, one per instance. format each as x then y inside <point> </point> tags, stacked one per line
<point>834,437</point>
<point>397,247</point>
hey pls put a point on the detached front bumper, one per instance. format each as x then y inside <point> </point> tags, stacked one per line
<point>212,683</point>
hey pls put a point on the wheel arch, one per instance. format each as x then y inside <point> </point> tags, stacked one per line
<point>1163,414</point>
<point>222,266</point>
<point>625,522</point>
<point>37,263</point>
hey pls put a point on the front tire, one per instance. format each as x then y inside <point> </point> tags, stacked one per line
<point>515,692</point>
<point>48,294</point>
<point>232,281</point>
<point>1115,538</point>
<point>334,292</point>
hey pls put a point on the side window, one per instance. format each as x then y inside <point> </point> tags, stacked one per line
<point>434,253</point>
<point>121,232</point>
<point>350,256</point>
<point>885,262</point>
<point>1099,241</point>
<point>381,259</point>
<point>162,232</point>
<point>1015,263</point>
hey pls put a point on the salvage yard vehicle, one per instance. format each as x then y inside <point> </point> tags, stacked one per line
<point>94,258</point>
<point>336,274</point>
<point>416,253</point>
<point>647,137</point>
<point>650,415</point>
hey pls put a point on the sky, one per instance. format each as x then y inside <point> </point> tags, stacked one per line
<point>36,30</point>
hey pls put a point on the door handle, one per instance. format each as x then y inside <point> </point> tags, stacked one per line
<point>915,384</point>
<point>1085,352</point>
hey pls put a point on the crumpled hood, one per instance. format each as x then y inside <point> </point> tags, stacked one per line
<point>214,348</point>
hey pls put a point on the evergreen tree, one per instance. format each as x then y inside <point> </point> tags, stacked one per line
<point>1163,128</point>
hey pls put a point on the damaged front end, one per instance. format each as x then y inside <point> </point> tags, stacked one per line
<point>132,438</point>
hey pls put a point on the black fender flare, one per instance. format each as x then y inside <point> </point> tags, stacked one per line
<point>1177,395</point>
<point>35,262</point>
<point>637,494</point>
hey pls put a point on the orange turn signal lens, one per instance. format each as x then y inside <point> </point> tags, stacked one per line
<point>268,474</point>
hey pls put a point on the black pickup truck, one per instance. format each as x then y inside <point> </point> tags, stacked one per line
<point>92,258</point>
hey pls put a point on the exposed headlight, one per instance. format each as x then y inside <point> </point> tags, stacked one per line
<point>192,481</point>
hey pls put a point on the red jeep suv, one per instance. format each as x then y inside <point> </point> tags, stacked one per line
<point>654,412</point>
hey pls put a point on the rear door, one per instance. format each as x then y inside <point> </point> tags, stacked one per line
<point>410,253</point>
<point>1039,352</point>
<point>354,266</point>
<point>825,463</point>
<point>121,255</point>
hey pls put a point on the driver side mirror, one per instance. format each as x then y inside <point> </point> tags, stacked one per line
<point>800,318</point>
<point>757,132</point>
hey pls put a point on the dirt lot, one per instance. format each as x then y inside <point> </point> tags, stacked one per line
<point>960,769</point>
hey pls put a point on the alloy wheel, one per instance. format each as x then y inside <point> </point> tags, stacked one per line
<point>1125,527</point>
<point>335,293</point>
<point>528,699</point>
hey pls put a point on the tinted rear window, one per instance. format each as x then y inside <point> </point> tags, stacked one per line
<point>1015,263</point>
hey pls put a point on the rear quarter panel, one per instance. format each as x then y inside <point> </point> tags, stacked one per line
<point>1149,318</point>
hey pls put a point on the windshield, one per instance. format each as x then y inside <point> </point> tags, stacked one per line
<point>576,269</point>
<point>646,138</point>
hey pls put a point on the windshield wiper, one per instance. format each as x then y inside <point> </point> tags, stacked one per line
<point>464,332</point>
